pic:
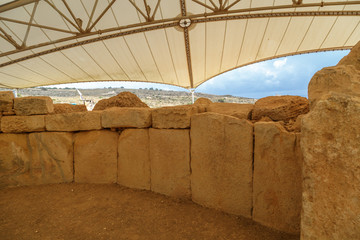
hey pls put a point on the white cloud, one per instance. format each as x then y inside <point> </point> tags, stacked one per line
<point>280,63</point>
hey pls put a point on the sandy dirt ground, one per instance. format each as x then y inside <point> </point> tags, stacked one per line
<point>89,211</point>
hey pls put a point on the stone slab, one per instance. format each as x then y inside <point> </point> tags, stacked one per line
<point>70,122</point>
<point>173,117</point>
<point>95,156</point>
<point>36,158</point>
<point>134,159</point>
<point>26,106</point>
<point>126,118</point>
<point>242,111</point>
<point>170,162</point>
<point>330,143</point>
<point>19,124</point>
<point>221,163</point>
<point>6,101</point>
<point>277,177</point>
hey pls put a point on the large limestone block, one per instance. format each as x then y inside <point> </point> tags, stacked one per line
<point>18,124</point>
<point>277,177</point>
<point>36,158</point>
<point>134,159</point>
<point>95,156</point>
<point>340,79</point>
<point>173,117</point>
<point>6,101</point>
<point>68,108</point>
<point>77,121</point>
<point>170,162</point>
<point>126,117</point>
<point>331,146</point>
<point>242,111</point>
<point>26,106</point>
<point>221,162</point>
<point>353,58</point>
<point>280,108</point>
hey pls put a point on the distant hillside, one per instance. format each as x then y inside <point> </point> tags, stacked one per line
<point>152,97</point>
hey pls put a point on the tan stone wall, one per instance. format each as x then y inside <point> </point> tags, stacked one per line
<point>148,149</point>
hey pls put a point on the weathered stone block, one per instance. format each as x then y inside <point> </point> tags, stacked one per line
<point>330,142</point>
<point>277,177</point>
<point>340,79</point>
<point>77,121</point>
<point>126,117</point>
<point>134,159</point>
<point>6,101</point>
<point>280,108</point>
<point>26,106</point>
<point>170,162</point>
<point>242,111</point>
<point>36,158</point>
<point>221,162</point>
<point>95,156</point>
<point>353,58</point>
<point>173,117</point>
<point>68,108</point>
<point>18,124</point>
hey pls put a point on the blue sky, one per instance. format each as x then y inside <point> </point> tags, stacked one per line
<point>283,76</point>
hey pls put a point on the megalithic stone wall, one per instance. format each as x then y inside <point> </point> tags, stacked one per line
<point>199,152</point>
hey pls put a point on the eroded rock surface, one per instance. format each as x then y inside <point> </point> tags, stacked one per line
<point>76,121</point>
<point>126,117</point>
<point>19,124</point>
<point>331,146</point>
<point>339,79</point>
<point>242,111</point>
<point>123,99</point>
<point>280,108</point>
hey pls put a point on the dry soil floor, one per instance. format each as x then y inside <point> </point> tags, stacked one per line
<point>87,211</point>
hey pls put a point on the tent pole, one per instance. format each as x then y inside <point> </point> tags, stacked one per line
<point>192,90</point>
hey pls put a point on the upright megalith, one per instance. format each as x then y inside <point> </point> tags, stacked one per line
<point>330,144</point>
<point>170,162</point>
<point>134,159</point>
<point>277,177</point>
<point>95,156</point>
<point>221,162</point>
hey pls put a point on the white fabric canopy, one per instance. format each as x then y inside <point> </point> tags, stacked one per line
<point>177,42</point>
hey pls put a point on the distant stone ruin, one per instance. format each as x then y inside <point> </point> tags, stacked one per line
<point>243,159</point>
